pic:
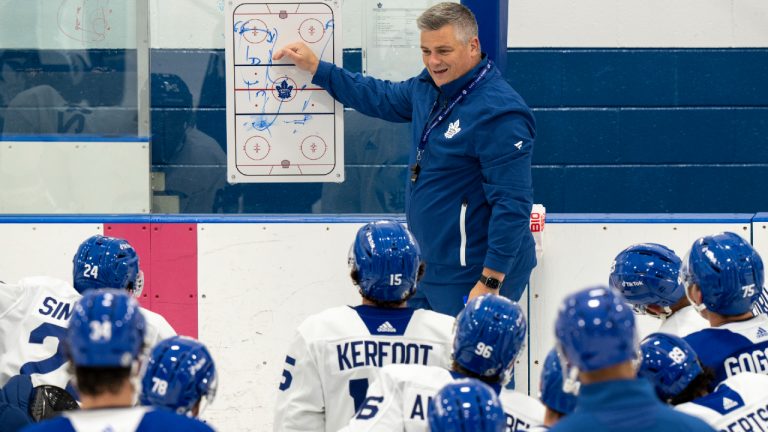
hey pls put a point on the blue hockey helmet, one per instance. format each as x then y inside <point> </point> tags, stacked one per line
<point>106,329</point>
<point>386,258</point>
<point>648,274</point>
<point>490,333</point>
<point>107,262</point>
<point>669,363</point>
<point>595,329</point>
<point>727,270</point>
<point>552,393</point>
<point>466,405</point>
<point>180,372</point>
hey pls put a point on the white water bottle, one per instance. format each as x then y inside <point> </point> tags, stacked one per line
<point>538,220</point>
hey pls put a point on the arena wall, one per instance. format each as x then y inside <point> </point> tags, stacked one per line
<point>243,284</point>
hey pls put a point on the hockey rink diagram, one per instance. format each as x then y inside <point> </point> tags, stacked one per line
<point>281,127</point>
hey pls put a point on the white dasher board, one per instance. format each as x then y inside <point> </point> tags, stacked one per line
<point>280,127</point>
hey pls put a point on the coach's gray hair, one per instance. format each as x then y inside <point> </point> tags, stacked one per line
<point>442,14</point>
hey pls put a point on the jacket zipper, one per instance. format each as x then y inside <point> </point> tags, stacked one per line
<point>463,232</point>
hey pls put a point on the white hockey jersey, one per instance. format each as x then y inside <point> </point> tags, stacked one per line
<point>335,354</point>
<point>137,419</point>
<point>157,329</point>
<point>683,322</point>
<point>734,347</point>
<point>34,315</point>
<point>739,403</point>
<point>398,401</point>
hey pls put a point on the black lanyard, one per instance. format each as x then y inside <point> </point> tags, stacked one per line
<point>442,115</point>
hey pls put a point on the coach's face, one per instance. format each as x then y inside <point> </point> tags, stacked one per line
<point>445,56</point>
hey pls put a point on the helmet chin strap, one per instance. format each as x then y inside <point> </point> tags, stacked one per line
<point>571,382</point>
<point>666,311</point>
<point>700,307</point>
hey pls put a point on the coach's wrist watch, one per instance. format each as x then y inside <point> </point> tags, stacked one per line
<point>490,282</point>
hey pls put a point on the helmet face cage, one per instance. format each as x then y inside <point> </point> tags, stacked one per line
<point>669,363</point>
<point>386,258</point>
<point>180,372</point>
<point>106,329</point>
<point>727,270</point>
<point>107,262</point>
<point>595,329</point>
<point>490,334</point>
<point>647,274</point>
<point>466,405</point>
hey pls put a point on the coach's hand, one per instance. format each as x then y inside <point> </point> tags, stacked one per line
<point>300,54</point>
<point>480,289</point>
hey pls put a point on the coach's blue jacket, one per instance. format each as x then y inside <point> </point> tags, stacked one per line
<point>472,201</point>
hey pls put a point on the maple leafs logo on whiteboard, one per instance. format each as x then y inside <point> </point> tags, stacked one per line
<point>453,129</point>
<point>284,90</point>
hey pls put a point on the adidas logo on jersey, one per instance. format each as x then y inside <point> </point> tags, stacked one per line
<point>761,333</point>
<point>386,328</point>
<point>729,404</point>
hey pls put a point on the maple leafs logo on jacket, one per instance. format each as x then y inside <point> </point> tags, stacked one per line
<point>453,129</point>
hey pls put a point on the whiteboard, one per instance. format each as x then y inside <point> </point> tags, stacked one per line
<point>280,126</point>
<point>67,24</point>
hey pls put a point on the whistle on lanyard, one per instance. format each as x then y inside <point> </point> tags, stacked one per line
<point>415,170</point>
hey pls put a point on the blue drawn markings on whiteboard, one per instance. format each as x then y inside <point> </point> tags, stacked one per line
<point>271,50</point>
<point>241,28</point>
<point>248,84</point>
<point>301,121</point>
<point>328,25</point>
<point>252,59</point>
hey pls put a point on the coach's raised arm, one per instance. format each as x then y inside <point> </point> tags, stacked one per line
<point>469,195</point>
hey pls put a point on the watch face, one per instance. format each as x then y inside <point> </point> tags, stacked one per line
<point>491,282</point>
